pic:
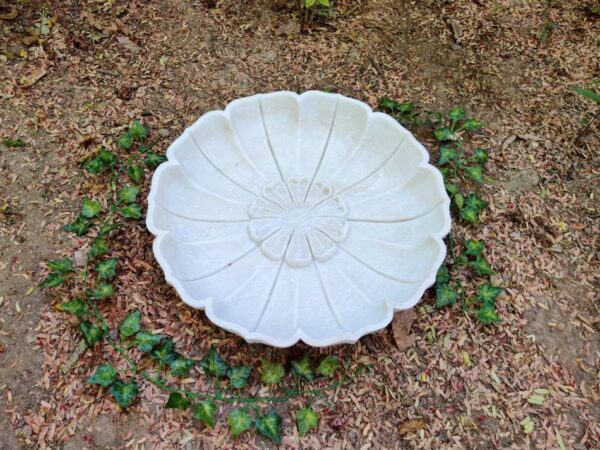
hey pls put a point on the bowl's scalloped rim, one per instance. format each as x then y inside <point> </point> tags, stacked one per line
<point>254,337</point>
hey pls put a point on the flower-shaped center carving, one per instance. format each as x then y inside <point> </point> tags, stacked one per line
<point>297,221</point>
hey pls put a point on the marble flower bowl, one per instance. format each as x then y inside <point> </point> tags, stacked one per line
<point>298,217</point>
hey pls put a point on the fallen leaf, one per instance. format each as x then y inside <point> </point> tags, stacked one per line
<point>411,426</point>
<point>401,329</point>
<point>35,76</point>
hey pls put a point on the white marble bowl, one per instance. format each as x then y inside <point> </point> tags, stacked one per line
<point>298,217</point>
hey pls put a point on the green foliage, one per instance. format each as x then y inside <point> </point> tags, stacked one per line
<point>103,291</point>
<point>105,375</point>
<point>328,366</point>
<point>165,352</point>
<point>181,366</point>
<point>488,293</point>
<point>306,420</point>
<point>271,372</point>
<point>135,173</point>
<point>80,226</point>
<point>98,248</point>
<point>154,159</point>
<point>128,194</point>
<point>302,369</point>
<point>107,269</point>
<point>13,143</point>
<point>177,401</point>
<point>269,425</point>
<point>53,279</point>
<point>239,420</point>
<point>445,295</point>
<point>589,94</point>
<point>239,376</point>
<point>146,341</point>
<point>91,332</point>
<point>464,173</point>
<point>131,211</point>
<point>61,266</point>
<point>90,208</point>
<point>136,133</point>
<point>75,306</point>
<point>124,393</point>
<point>130,325</point>
<point>205,411</point>
<point>213,364</point>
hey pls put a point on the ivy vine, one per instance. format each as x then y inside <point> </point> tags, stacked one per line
<point>151,356</point>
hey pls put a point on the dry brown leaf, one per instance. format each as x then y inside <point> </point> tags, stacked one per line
<point>35,76</point>
<point>410,426</point>
<point>401,329</point>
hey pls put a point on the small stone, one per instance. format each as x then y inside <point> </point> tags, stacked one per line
<point>163,132</point>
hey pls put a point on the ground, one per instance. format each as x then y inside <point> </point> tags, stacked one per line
<point>92,66</point>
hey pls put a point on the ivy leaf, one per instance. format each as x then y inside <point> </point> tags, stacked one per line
<point>447,154</point>
<point>138,131</point>
<point>213,364</point>
<point>135,173</point>
<point>269,425</point>
<point>459,200</point>
<point>469,213</point>
<point>302,368</point>
<point>62,265</point>
<point>328,365</point>
<point>108,158</point>
<point>76,306</point>
<point>489,293</point>
<point>124,393</point>
<point>79,226</point>
<point>309,3</point>
<point>90,208</point>
<point>487,314</point>
<point>475,173</point>
<point>125,141</point>
<point>105,229</point>
<point>106,269</point>
<point>154,159</point>
<point>205,411</point>
<point>457,113</point>
<point>471,125</point>
<point>165,353</point>
<point>444,296</point>
<point>476,202</point>
<point>443,275</point>
<point>130,325</point>
<point>94,165</point>
<point>13,143</point>
<point>452,189</point>
<point>177,401</point>
<point>480,156</point>
<point>146,341</point>
<point>443,134</point>
<point>474,247</point>
<point>445,171</point>
<point>272,372</point>
<point>239,421</point>
<point>52,280</point>
<point>180,366</point>
<point>128,194</point>
<point>105,375</point>
<point>91,332</point>
<point>239,376</point>
<point>98,248</point>
<point>103,291</point>
<point>306,420</point>
<point>324,3</point>
<point>131,211</point>
<point>481,266</point>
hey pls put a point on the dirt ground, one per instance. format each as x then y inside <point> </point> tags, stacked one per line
<point>93,65</point>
